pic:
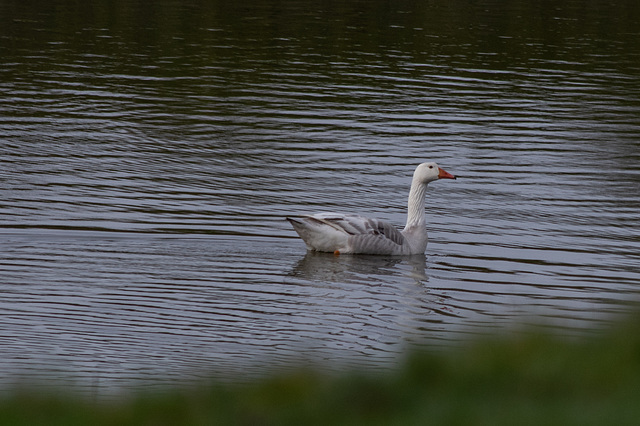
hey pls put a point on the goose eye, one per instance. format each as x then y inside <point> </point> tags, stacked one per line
<point>431,167</point>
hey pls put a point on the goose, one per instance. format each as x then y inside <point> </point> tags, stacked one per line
<point>354,234</point>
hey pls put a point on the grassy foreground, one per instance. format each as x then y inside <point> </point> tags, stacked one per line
<point>524,379</point>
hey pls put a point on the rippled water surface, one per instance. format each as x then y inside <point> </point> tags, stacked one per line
<point>149,155</point>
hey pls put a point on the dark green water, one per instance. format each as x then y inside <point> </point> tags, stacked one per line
<point>149,153</point>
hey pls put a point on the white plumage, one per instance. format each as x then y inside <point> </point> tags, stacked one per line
<point>349,233</point>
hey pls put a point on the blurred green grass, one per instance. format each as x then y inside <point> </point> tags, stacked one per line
<point>524,378</point>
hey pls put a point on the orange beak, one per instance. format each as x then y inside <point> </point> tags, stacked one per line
<point>443,174</point>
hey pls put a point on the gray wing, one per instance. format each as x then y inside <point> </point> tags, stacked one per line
<point>366,235</point>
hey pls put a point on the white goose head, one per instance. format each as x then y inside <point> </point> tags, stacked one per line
<point>428,172</point>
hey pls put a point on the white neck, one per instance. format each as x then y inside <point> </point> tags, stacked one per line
<point>415,214</point>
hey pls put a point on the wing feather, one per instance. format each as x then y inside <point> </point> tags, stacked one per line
<point>367,235</point>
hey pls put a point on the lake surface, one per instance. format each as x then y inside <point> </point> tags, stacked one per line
<point>149,154</point>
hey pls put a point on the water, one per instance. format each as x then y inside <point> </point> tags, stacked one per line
<point>149,155</point>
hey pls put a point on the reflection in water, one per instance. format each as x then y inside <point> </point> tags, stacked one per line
<point>150,153</point>
<point>326,267</point>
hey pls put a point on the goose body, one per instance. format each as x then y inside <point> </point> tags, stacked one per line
<point>349,233</point>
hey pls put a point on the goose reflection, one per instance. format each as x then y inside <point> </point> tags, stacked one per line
<point>319,266</point>
<point>355,291</point>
